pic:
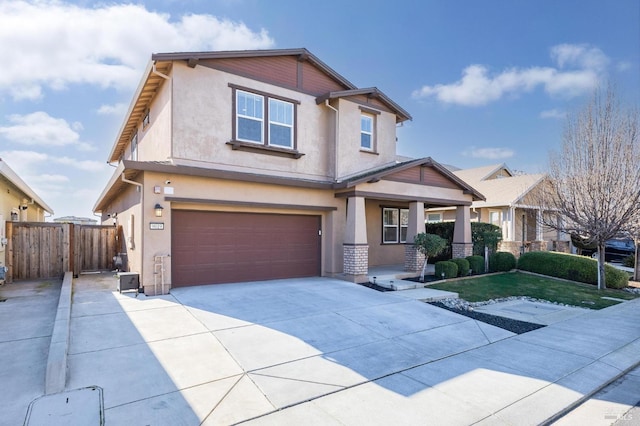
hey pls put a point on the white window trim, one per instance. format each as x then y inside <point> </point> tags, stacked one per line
<point>277,123</point>
<point>434,214</point>
<point>249,117</point>
<point>398,227</point>
<point>134,147</point>
<point>364,132</point>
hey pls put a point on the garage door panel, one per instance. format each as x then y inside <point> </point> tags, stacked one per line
<point>220,247</point>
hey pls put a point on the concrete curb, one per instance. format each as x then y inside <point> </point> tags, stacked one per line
<point>56,375</point>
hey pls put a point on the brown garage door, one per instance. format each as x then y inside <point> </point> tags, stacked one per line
<point>225,247</point>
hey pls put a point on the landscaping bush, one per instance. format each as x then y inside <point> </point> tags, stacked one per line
<point>476,263</point>
<point>629,261</point>
<point>571,267</point>
<point>450,269</point>
<point>481,234</point>
<point>463,266</point>
<point>501,261</point>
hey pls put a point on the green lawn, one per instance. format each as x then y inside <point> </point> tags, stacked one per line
<point>519,284</point>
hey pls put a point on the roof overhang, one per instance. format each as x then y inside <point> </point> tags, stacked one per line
<point>29,193</point>
<point>374,92</point>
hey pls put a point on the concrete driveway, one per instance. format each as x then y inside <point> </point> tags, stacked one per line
<point>324,351</point>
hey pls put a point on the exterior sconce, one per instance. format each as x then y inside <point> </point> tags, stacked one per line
<point>158,209</point>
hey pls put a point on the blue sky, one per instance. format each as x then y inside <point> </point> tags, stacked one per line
<point>485,81</point>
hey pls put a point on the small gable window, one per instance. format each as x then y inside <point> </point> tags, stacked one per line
<point>134,147</point>
<point>366,132</point>
<point>395,223</point>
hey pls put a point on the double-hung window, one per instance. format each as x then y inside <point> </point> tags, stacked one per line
<point>366,132</point>
<point>249,117</point>
<point>395,223</point>
<point>280,123</point>
<point>263,119</point>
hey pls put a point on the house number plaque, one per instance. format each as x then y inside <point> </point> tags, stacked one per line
<point>156,226</point>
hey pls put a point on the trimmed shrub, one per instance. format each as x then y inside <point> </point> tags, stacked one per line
<point>481,234</point>
<point>450,269</point>
<point>501,261</point>
<point>571,267</point>
<point>629,261</point>
<point>463,266</point>
<point>476,263</point>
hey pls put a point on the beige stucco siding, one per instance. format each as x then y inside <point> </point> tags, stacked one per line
<point>351,158</point>
<point>203,125</point>
<point>379,253</point>
<point>220,195</point>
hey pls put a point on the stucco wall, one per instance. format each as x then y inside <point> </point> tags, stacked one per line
<point>379,253</point>
<point>202,126</point>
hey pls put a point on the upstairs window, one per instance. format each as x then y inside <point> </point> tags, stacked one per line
<point>280,123</point>
<point>134,147</point>
<point>264,119</point>
<point>366,132</point>
<point>395,223</point>
<point>249,116</point>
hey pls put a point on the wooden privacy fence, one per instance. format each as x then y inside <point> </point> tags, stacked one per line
<point>47,250</point>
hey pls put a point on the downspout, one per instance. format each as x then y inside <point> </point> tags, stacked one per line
<point>141,189</point>
<point>337,156</point>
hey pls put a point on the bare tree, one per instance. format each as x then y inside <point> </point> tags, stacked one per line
<point>594,180</point>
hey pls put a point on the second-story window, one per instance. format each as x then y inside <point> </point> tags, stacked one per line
<point>134,147</point>
<point>264,119</point>
<point>366,132</point>
<point>249,116</point>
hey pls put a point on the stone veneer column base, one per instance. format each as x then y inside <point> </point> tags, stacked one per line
<point>459,250</point>
<point>356,262</point>
<point>413,258</point>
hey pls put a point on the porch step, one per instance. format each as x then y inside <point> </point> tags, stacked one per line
<point>398,284</point>
<point>427,294</point>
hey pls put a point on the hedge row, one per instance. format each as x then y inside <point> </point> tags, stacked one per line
<point>571,267</point>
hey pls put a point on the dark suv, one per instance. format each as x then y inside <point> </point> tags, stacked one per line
<point>614,250</point>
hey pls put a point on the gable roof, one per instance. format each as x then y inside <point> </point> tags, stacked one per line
<point>13,177</point>
<point>159,67</point>
<point>478,174</point>
<point>379,173</point>
<point>505,191</point>
<point>373,92</point>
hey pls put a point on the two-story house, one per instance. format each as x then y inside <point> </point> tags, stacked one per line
<point>18,203</point>
<point>254,165</point>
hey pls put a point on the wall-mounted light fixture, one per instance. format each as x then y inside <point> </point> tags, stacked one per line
<point>158,209</point>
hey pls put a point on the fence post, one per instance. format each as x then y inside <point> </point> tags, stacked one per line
<point>9,251</point>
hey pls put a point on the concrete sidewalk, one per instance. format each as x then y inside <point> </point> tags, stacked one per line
<point>324,351</point>
<point>26,323</point>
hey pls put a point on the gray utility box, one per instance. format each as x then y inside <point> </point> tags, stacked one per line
<point>128,281</point>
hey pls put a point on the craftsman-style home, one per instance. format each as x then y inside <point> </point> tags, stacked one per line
<point>254,165</point>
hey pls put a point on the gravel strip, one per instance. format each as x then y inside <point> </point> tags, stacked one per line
<point>508,324</point>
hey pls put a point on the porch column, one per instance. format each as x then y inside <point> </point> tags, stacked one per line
<point>462,245</point>
<point>512,224</point>
<point>413,259</point>
<point>539,236</point>
<point>355,247</point>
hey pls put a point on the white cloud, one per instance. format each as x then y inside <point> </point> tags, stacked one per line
<point>32,162</point>
<point>553,113</point>
<point>39,128</point>
<point>106,45</point>
<point>119,109</point>
<point>579,68</point>
<point>489,153</point>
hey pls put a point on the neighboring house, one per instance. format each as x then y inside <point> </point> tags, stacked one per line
<point>510,204</point>
<point>76,220</point>
<point>18,203</point>
<point>254,165</point>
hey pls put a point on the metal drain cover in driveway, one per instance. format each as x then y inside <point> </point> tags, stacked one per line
<point>76,407</point>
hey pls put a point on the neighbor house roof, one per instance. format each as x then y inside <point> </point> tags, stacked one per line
<point>13,177</point>
<point>160,66</point>
<point>508,190</point>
